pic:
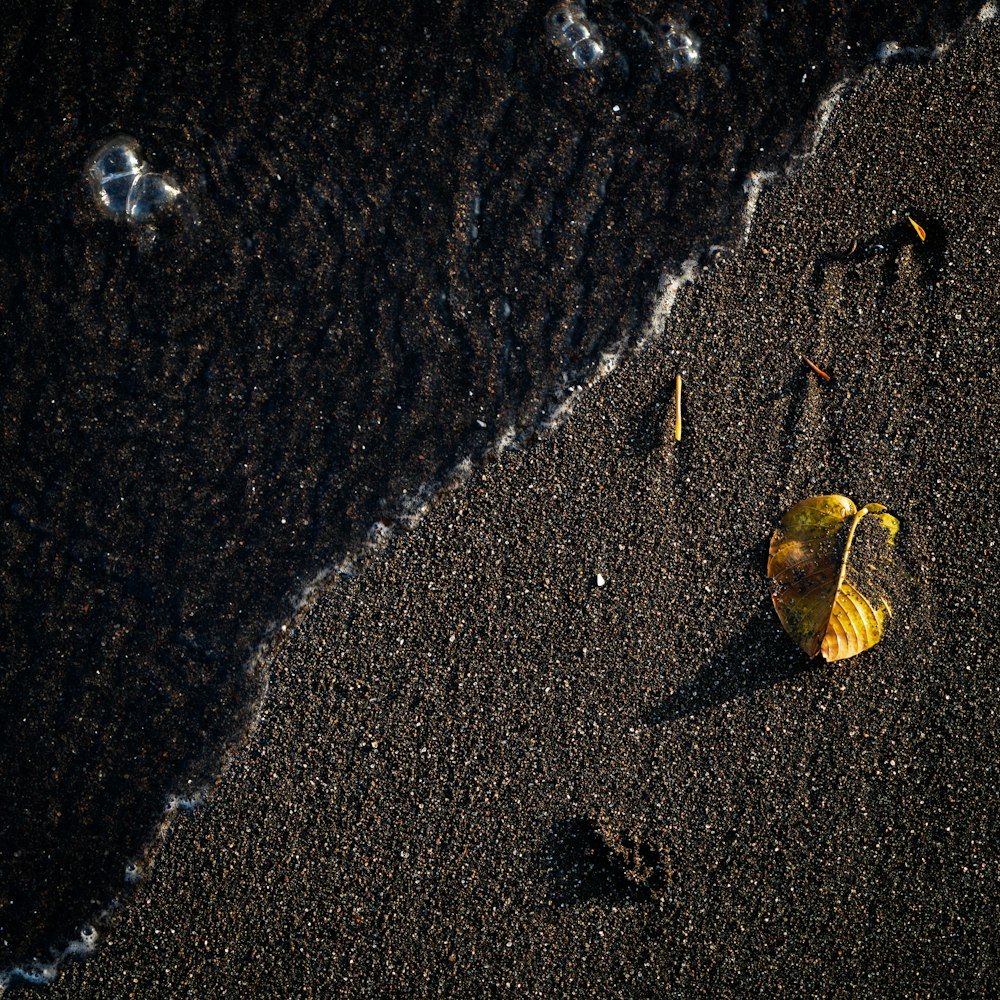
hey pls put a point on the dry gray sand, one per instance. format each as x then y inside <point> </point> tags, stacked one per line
<point>478,773</point>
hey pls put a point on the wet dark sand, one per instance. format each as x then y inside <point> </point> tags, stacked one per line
<point>478,773</point>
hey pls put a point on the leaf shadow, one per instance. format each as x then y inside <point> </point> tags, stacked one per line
<point>760,656</point>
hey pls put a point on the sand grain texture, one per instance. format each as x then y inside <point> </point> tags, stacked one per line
<point>477,773</point>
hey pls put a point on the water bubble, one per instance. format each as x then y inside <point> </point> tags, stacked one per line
<point>678,46</point>
<point>560,17</point>
<point>575,34</point>
<point>111,171</point>
<point>588,53</point>
<point>113,193</point>
<point>117,158</point>
<point>123,185</point>
<point>150,193</point>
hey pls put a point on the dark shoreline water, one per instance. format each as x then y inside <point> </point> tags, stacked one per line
<point>398,231</point>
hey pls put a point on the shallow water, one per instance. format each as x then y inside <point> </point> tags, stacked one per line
<point>397,236</point>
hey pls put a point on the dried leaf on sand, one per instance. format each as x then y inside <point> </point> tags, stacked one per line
<point>827,602</point>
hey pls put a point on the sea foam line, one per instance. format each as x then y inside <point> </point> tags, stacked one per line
<point>44,973</point>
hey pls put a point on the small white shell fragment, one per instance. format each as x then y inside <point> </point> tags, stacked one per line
<point>600,580</point>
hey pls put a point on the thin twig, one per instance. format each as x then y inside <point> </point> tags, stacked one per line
<point>819,371</point>
<point>677,408</point>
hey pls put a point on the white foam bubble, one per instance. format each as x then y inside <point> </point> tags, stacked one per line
<point>507,439</point>
<point>34,974</point>
<point>84,944</point>
<point>755,183</point>
<point>379,535</point>
<point>186,803</point>
<point>826,108</point>
<point>890,50</point>
<point>312,587</point>
<point>44,973</point>
<point>670,288</point>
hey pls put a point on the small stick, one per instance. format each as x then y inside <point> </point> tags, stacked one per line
<point>677,408</point>
<point>819,371</point>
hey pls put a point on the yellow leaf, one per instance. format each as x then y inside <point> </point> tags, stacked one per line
<point>823,601</point>
<point>920,231</point>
